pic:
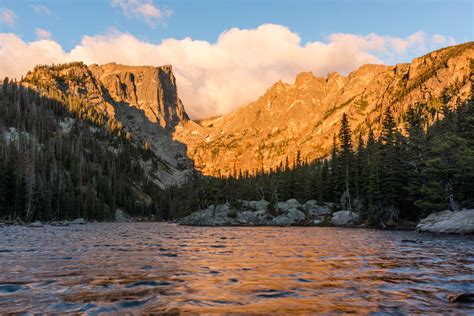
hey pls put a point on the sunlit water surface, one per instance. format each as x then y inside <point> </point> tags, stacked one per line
<point>157,267</point>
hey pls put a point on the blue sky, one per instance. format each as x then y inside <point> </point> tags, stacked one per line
<point>226,53</point>
<point>69,20</point>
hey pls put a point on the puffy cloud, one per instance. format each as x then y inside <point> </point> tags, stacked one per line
<point>215,78</point>
<point>7,17</point>
<point>439,39</point>
<point>41,9</point>
<point>42,33</point>
<point>17,56</point>
<point>385,45</point>
<point>141,8</point>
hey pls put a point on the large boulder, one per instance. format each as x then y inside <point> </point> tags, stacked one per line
<point>247,218</point>
<point>312,208</point>
<point>212,216</point>
<point>78,221</point>
<point>263,218</point>
<point>460,222</point>
<point>344,218</point>
<point>261,205</point>
<point>291,204</point>
<point>292,217</point>
<point>36,224</point>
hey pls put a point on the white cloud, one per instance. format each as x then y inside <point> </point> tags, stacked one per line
<point>42,33</point>
<point>439,39</point>
<point>7,17</point>
<point>141,8</point>
<point>385,45</point>
<point>41,9</point>
<point>215,78</point>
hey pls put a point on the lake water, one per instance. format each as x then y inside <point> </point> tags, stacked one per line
<point>158,267</point>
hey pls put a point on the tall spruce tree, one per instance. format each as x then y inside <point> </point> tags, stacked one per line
<point>346,160</point>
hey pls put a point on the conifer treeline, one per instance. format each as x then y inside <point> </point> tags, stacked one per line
<point>47,173</point>
<point>405,173</point>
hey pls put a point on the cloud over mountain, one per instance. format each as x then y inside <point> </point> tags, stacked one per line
<point>7,17</point>
<point>215,78</point>
<point>144,9</point>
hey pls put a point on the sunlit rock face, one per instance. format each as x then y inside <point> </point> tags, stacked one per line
<point>151,89</point>
<point>289,118</point>
<point>142,99</point>
<point>304,116</point>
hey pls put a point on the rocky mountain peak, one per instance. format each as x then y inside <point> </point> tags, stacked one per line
<point>141,99</point>
<point>150,89</point>
<point>304,116</point>
<point>305,77</point>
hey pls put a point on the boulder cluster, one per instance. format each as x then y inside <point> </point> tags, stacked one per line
<point>262,213</point>
<point>314,213</point>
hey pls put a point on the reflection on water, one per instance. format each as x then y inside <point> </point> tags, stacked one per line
<point>157,267</point>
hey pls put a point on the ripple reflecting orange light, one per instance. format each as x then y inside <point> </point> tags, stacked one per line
<point>156,267</point>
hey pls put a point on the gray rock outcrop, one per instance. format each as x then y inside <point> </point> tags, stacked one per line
<point>250,213</point>
<point>291,204</point>
<point>291,217</point>
<point>78,221</point>
<point>312,207</point>
<point>344,218</point>
<point>36,224</point>
<point>460,222</point>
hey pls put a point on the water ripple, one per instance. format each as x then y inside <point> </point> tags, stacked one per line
<point>164,268</point>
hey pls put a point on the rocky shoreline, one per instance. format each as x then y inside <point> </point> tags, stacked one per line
<point>291,213</point>
<point>313,213</point>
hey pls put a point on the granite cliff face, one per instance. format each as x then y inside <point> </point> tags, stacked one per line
<point>305,115</point>
<point>150,89</point>
<point>141,100</point>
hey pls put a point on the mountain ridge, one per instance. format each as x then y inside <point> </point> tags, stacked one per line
<point>304,116</point>
<point>287,120</point>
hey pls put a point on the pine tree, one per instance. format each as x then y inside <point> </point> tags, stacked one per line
<point>346,160</point>
<point>390,163</point>
<point>413,156</point>
<point>360,172</point>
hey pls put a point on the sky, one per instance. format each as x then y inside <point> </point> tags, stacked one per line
<point>226,53</point>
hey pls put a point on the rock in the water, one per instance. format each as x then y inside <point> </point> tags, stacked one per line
<point>78,221</point>
<point>292,217</point>
<point>344,218</point>
<point>460,222</point>
<point>120,216</point>
<point>409,241</point>
<point>312,207</point>
<point>461,298</point>
<point>36,224</point>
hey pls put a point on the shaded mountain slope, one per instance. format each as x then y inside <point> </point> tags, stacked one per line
<point>139,101</point>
